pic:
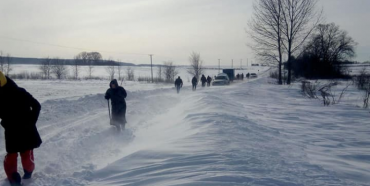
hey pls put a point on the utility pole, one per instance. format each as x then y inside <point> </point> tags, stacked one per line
<point>241,61</point>
<point>232,63</point>
<point>151,65</point>
<point>219,68</point>
<point>247,62</point>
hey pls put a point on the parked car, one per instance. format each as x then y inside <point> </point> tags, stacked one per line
<point>221,79</point>
<point>253,75</point>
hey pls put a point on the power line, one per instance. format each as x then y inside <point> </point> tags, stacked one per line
<point>62,46</point>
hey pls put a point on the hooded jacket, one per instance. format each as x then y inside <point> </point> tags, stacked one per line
<point>19,112</point>
<point>194,81</point>
<point>178,82</point>
<point>117,96</point>
<point>203,79</point>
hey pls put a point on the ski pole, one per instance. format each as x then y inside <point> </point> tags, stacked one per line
<point>109,110</point>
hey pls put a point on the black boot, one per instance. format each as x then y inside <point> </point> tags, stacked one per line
<point>27,175</point>
<point>16,179</point>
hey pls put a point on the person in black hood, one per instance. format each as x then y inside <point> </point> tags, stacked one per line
<point>194,82</point>
<point>204,80</point>
<point>209,80</point>
<point>19,113</point>
<point>178,84</point>
<point>117,95</point>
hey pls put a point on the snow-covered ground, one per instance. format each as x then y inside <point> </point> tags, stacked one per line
<point>248,133</point>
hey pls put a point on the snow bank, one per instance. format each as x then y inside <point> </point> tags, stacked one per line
<point>249,133</point>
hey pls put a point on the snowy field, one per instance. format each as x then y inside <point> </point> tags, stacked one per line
<point>101,71</point>
<point>248,133</point>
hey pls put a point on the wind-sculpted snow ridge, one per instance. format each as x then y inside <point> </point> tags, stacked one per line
<point>253,134</point>
<point>248,133</point>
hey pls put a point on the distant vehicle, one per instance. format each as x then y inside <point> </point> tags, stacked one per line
<point>230,73</point>
<point>221,79</point>
<point>255,64</point>
<point>253,75</point>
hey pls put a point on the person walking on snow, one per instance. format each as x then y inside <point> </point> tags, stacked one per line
<point>209,79</point>
<point>19,113</point>
<point>204,80</point>
<point>117,95</point>
<point>178,84</point>
<point>194,82</point>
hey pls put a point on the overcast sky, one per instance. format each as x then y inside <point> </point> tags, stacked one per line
<point>170,29</point>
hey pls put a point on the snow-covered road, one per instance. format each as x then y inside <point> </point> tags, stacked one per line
<point>250,133</point>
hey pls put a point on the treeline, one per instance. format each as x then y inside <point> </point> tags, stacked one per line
<point>298,42</point>
<point>325,54</point>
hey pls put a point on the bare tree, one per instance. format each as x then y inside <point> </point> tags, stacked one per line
<point>94,59</point>
<point>323,53</point>
<point>159,73</point>
<point>309,89</point>
<point>111,69</point>
<point>362,82</point>
<point>367,97</point>
<point>46,67</point>
<point>265,30</point>
<point>59,68</point>
<point>169,71</point>
<point>84,56</point>
<point>299,20</point>
<point>8,64</point>
<point>331,44</point>
<point>119,71</point>
<point>5,63</point>
<point>196,65</point>
<point>130,74</point>
<point>329,97</point>
<point>77,61</point>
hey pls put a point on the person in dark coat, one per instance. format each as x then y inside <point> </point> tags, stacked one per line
<point>242,76</point>
<point>194,82</point>
<point>178,84</point>
<point>247,75</point>
<point>19,113</point>
<point>117,95</point>
<point>204,80</point>
<point>209,79</point>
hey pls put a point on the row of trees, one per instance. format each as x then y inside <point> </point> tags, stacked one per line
<point>166,72</point>
<point>54,66</point>
<point>323,55</point>
<point>60,68</point>
<point>89,59</point>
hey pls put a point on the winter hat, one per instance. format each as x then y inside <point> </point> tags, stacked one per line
<point>2,79</point>
<point>114,81</point>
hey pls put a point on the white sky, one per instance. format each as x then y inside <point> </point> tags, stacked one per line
<point>169,29</point>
